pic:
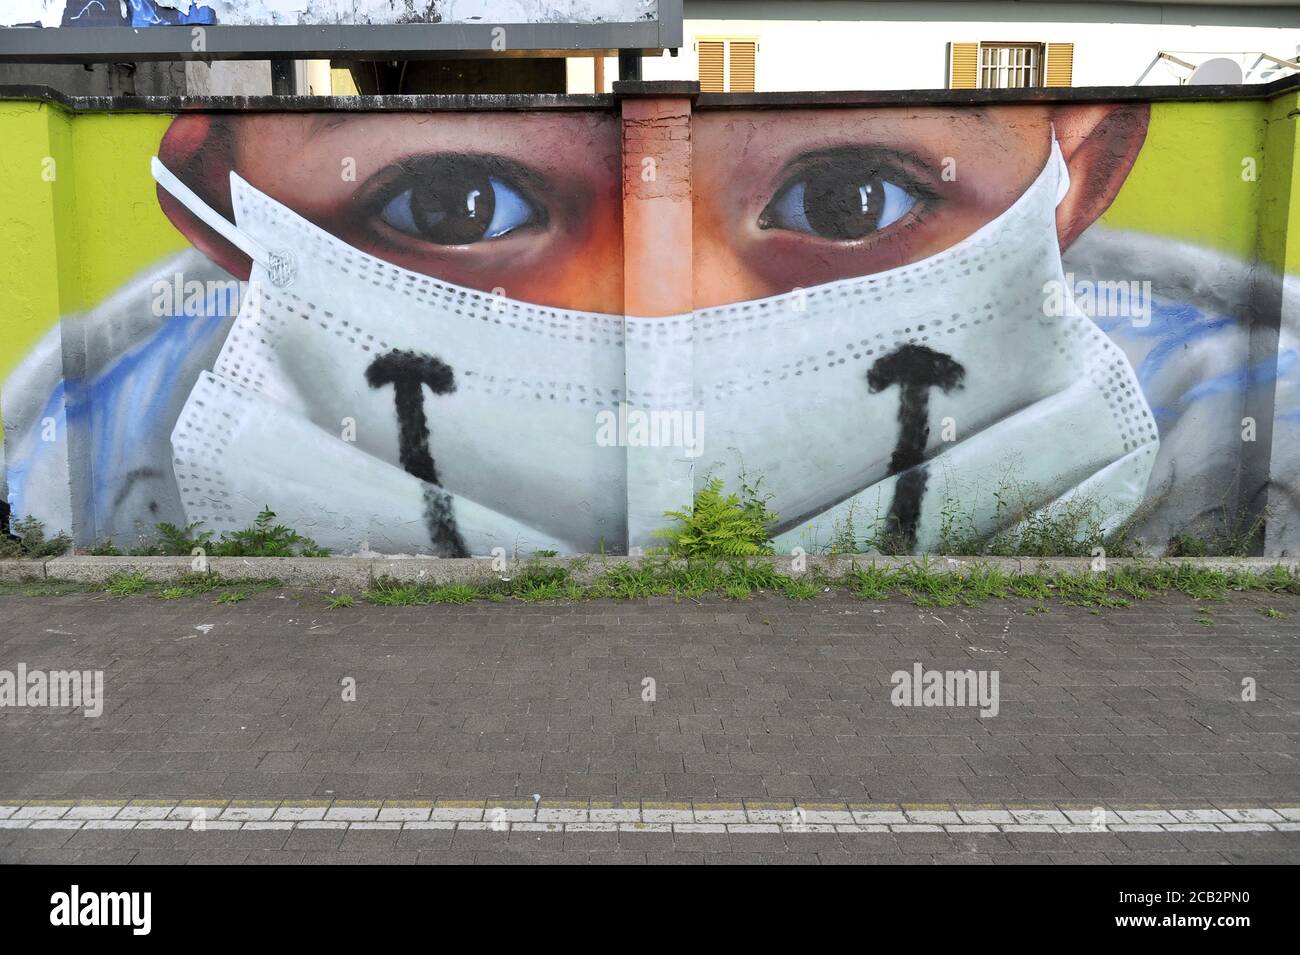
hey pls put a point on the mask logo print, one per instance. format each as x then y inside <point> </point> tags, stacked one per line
<point>410,373</point>
<point>915,369</point>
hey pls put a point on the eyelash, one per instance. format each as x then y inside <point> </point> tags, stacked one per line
<point>405,176</point>
<point>889,165</point>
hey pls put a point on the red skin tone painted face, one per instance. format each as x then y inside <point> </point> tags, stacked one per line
<point>336,169</point>
<point>962,166</point>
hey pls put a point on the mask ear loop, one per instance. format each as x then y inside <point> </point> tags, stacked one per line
<point>280,265</point>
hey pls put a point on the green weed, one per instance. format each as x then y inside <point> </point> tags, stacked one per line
<point>720,524</point>
<point>453,594</point>
<point>30,541</point>
<point>984,583</point>
<point>928,589</point>
<point>1030,586</point>
<point>872,582</point>
<point>797,589</point>
<point>124,585</point>
<point>1087,590</point>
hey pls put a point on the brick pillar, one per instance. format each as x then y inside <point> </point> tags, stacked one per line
<point>657,300</point>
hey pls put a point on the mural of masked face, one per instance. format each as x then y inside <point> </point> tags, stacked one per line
<point>434,328</point>
<point>916,377</point>
<point>505,454</point>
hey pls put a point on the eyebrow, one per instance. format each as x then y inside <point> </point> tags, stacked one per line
<point>326,122</point>
<point>851,152</point>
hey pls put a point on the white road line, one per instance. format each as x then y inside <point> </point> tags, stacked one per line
<point>739,818</point>
<point>200,826</point>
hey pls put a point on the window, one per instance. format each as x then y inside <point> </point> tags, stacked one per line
<point>1009,66</point>
<point>727,64</point>
<point>1000,65</point>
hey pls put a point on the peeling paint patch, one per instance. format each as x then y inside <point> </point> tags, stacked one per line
<point>140,14</point>
<point>149,13</point>
<point>137,14</point>
<point>94,13</point>
<point>42,13</point>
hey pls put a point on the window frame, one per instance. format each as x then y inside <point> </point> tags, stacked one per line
<point>1035,71</point>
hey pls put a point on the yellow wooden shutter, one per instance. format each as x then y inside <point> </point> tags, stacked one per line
<point>711,66</point>
<point>742,66</point>
<point>1060,64</point>
<point>963,66</point>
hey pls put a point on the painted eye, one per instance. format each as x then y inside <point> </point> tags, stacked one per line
<point>840,200</point>
<point>457,202</point>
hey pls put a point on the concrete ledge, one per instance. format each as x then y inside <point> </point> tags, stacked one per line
<point>655,89</point>
<point>95,570</point>
<point>530,102</point>
<point>22,569</point>
<point>361,571</point>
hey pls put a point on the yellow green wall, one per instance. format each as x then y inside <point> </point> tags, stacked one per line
<point>71,241</point>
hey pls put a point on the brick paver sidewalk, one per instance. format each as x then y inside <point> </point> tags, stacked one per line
<point>513,732</point>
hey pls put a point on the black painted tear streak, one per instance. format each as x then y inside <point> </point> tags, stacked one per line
<point>915,369</point>
<point>409,373</point>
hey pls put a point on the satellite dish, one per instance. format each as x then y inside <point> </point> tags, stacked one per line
<point>1219,71</point>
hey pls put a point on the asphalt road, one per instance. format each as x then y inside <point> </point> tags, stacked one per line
<point>275,730</point>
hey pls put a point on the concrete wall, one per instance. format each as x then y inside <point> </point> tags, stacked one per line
<point>104,79</point>
<point>425,325</point>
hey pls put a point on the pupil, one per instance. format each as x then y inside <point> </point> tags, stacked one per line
<point>453,207</point>
<point>840,207</point>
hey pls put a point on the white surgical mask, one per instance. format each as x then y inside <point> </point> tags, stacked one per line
<point>495,398</point>
<point>810,386</point>
<point>498,399</point>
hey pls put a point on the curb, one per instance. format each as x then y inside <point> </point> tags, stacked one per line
<point>361,571</point>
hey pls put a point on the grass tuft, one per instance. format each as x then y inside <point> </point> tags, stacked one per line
<point>124,585</point>
<point>920,582</point>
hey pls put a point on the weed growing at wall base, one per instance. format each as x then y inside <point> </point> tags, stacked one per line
<point>262,538</point>
<point>720,524</point>
<point>130,583</point>
<point>920,583</point>
<point>1076,527</point>
<point>29,541</point>
<point>267,539</point>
